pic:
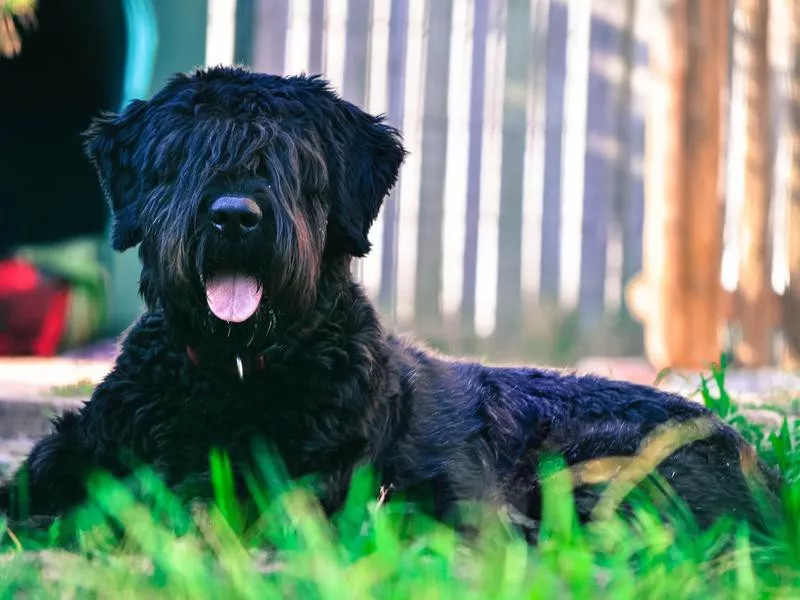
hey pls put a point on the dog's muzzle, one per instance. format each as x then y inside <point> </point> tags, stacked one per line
<point>234,296</point>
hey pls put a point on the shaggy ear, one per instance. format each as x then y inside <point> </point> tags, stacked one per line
<point>111,142</point>
<point>370,166</point>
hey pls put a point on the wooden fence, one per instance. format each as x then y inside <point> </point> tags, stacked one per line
<point>518,220</point>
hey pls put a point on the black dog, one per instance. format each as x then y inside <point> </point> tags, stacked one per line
<point>249,195</point>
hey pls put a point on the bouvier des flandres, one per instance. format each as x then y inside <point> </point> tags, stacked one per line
<point>249,195</point>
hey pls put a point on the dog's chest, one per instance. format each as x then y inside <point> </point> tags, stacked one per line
<point>310,427</point>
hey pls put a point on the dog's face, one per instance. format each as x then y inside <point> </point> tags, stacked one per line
<point>239,187</point>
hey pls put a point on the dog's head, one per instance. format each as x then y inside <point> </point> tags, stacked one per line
<point>240,187</point>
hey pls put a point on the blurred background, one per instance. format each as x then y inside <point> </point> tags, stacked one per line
<point>585,178</point>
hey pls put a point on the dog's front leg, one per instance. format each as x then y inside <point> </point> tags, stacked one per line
<point>52,478</point>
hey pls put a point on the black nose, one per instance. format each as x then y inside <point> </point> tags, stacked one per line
<point>235,215</point>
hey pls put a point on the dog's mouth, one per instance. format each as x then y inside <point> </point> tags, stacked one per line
<point>233,297</point>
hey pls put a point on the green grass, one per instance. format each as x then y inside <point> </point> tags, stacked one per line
<point>388,551</point>
<point>82,388</point>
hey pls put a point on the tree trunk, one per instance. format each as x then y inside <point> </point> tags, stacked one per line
<point>755,292</point>
<point>791,299</point>
<point>679,293</point>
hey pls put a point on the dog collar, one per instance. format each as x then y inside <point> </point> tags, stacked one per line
<point>240,366</point>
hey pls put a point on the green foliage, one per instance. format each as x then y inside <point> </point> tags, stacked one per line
<point>779,448</point>
<point>82,388</point>
<point>17,6</point>
<point>280,545</point>
<point>723,405</point>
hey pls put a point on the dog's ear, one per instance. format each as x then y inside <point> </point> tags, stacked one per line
<point>370,165</point>
<point>111,143</point>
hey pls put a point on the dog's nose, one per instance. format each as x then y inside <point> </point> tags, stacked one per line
<point>235,215</point>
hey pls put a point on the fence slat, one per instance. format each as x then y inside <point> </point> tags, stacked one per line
<point>395,82</point>
<point>316,30</point>
<point>519,56</point>
<point>354,82</point>
<point>550,266</point>
<point>534,163</point>
<point>631,209</point>
<point>245,32</point>
<point>269,47</point>
<point>427,308</point>
<point>603,147</point>
<point>354,87</point>
<point>476,101</point>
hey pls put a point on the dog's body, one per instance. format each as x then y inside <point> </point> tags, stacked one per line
<point>250,194</point>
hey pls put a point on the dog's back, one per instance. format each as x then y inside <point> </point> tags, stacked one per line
<point>490,427</point>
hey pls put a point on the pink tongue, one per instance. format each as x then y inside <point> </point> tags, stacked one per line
<point>233,298</point>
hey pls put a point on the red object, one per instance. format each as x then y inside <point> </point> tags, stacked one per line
<point>33,310</point>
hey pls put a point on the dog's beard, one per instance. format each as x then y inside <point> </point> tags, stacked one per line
<point>227,297</point>
<point>278,268</point>
<point>232,280</point>
<point>239,292</point>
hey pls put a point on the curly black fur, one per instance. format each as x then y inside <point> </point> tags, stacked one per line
<point>336,390</point>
